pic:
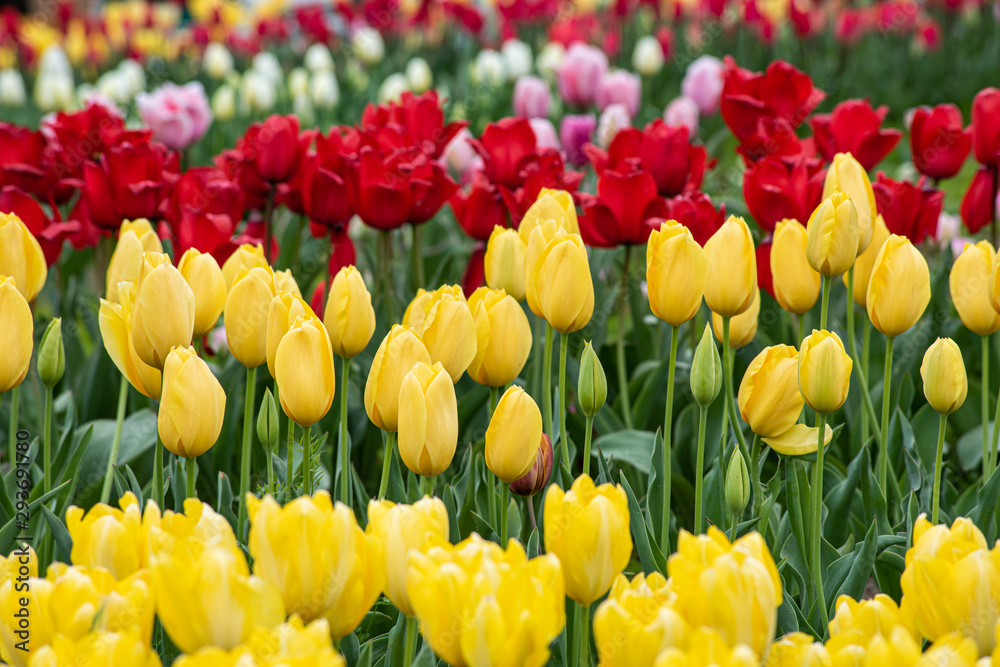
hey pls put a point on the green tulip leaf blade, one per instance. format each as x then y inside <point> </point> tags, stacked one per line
<point>640,531</point>
<point>63,541</point>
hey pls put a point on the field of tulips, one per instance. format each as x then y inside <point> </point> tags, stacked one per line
<point>539,332</point>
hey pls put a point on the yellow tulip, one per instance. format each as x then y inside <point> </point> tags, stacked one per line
<point>504,261</point>
<point>824,371</point>
<point>97,649</point>
<point>769,397</point>
<point>480,605</point>
<point>513,435</point>
<point>247,307</point>
<point>449,334</point>
<point>16,335</point>
<point>554,205</point>
<point>943,375</point>
<point>900,287</point>
<point>676,273</point>
<point>832,237</point>
<point>636,622</point>
<point>742,327</point>
<point>857,622</point>
<point>245,257</point>
<point>428,419</point>
<point>401,530</point>
<point>708,648</point>
<point>734,588</point>
<point>420,306</point>
<point>798,440</point>
<point>163,313</point>
<point>21,257</point>
<point>109,538</point>
<point>349,315</point>
<point>115,320</point>
<point>198,526</point>
<point>969,283</point>
<point>285,308</point>
<point>205,279</point>
<point>796,284</point>
<point>899,648</point>
<point>287,645</point>
<point>400,350</point>
<point>193,405</point>
<point>732,269</point>
<point>587,528</point>
<point>846,175</point>
<point>797,649</point>
<point>536,237</point>
<point>20,583</point>
<point>314,553</point>
<point>88,599</point>
<point>303,367</point>
<point>135,238</point>
<point>284,281</point>
<point>561,284</point>
<point>503,337</point>
<point>865,262</point>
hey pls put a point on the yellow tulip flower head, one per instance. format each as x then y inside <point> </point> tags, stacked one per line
<point>42,626</point>
<point>449,334</point>
<point>245,257</point>
<point>900,287</point>
<point>135,238</point>
<point>247,307</point>
<point>16,335</point>
<point>769,397</point>
<point>742,327</point>
<point>303,367</point>
<point>284,281</point>
<point>824,371</point>
<point>400,530</point>
<point>513,436</point>
<point>707,647</point>
<point>290,644</point>
<point>503,337</point>
<point>554,205</point>
<point>21,257</point>
<point>84,600</point>
<point>121,649</point>
<point>587,527</point>
<point>857,622</point>
<point>504,261</point>
<point>416,312</point>
<point>865,262</point>
<point>636,622</point>
<point>428,419</point>
<point>115,320</point>
<point>110,538</point>
<point>192,407</point>
<point>536,237</point>
<point>969,283</point>
<point>349,316</point>
<point>285,308</point>
<point>796,283</point>
<point>832,236</point>
<point>198,525</point>
<point>313,551</point>
<point>943,374</point>
<point>676,273</point>
<point>400,350</point>
<point>205,279</point>
<point>846,175</point>
<point>163,313</point>
<point>561,285</point>
<point>798,649</point>
<point>732,269</point>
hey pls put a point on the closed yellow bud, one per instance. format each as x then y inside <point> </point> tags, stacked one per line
<point>943,374</point>
<point>536,237</point>
<point>163,313</point>
<point>205,278</point>
<point>400,350</point>
<point>449,334</point>
<point>707,647</point>
<point>636,622</point>
<point>846,175</point>
<point>349,315</point>
<point>428,419</point>
<point>769,398</point>
<point>21,257</point>
<point>561,283</point>
<point>193,405</point>
<point>284,281</point>
<point>303,368</point>
<point>97,649</point>
<point>420,306</point>
<point>587,528</point>
<point>503,337</point>
<point>285,308</point>
<point>115,320</point>
<point>865,262</point>
<point>245,257</point>
<point>513,436</point>
<point>900,287</point>
<point>551,204</point>
<point>742,327</point>
<point>504,261</point>
<point>400,530</point>
<point>796,284</point>
<point>732,269</point>
<point>110,538</point>
<point>135,238</point>
<point>16,335</point>
<point>824,371</point>
<point>676,273</point>
<point>313,551</point>
<point>247,307</point>
<point>832,237</point>
<point>969,283</point>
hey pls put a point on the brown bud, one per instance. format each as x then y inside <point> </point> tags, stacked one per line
<point>538,477</point>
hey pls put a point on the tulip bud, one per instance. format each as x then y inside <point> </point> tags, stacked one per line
<point>135,238</point>
<point>742,327</point>
<point>676,273</point>
<point>193,404</point>
<point>899,269</point>
<point>51,354</point>
<point>769,397</point>
<point>513,436</point>
<point>163,314</point>
<point>796,284</point>
<point>943,374</point>
<point>865,262</point>
<point>541,472</point>
<point>706,370</point>
<point>247,307</point>
<point>561,283</point>
<point>504,262</point>
<point>592,385</point>
<point>21,257</point>
<point>349,315</point>
<point>551,205</point>
<point>832,242</point>
<point>303,369</point>
<point>16,335</point>
<point>267,422</point>
<point>206,280</point>
<point>732,269</point>
<point>400,350</point>
<point>421,305</point>
<point>846,175</point>
<point>246,256</point>
<point>428,419</point>
<point>969,283</point>
<point>503,337</point>
<point>449,334</point>
<point>285,308</point>
<point>824,371</point>
<point>737,484</point>
<point>115,320</point>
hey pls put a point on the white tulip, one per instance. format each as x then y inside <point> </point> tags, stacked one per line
<point>549,59</point>
<point>324,90</point>
<point>224,103</point>
<point>318,58</point>
<point>488,68</point>
<point>647,59</point>
<point>12,92</point>
<point>613,120</point>
<point>54,92</point>
<point>134,74</point>
<point>368,45</point>
<point>303,108</point>
<point>516,58</point>
<point>257,93</point>
<point>392,88</point>
<point>54,61</point>
<point>419,75</point>
<point>217,62</point>
<point>266,63</point>
<point>298,82</point>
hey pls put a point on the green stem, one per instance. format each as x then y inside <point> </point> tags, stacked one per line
<point>817,521</point>
<point>270,469</point>
<point>936,503</point>
<point>383,485</point>
<point>883,453</point>
<point>493,402</point>
<point>583,612</point>
<point>248,404</point>
<point>547,382</point>
<point>699,470</point>
<point>563,434</point>
<point>825,308</point>
<point>345,446</point>
<point>504,506</point>
<point>385,263</point>
<point>15,398</point>
<point>417,257</point>
<point>802,329</point>
<point>728,377</point>
<point>996,424</point>
<point>116,442</point>
<point>47,443</point>
<point>491,497</point>
<point>307,475</point>
<point>587,437</point>
<point>984,405</point>
<point>755,476</point>
<point>626,400</point>
<point>863,374</point>
<point>411,641</point>
<point>190,474</point>
<point>290,458</point>
<point>668,432</point>
<point>158,471</point>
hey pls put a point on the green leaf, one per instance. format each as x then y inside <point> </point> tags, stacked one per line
<point>10,530</point>
<point>64,543</point>
<point>632,447</point>
<point>639,530</point>
<point>861,568</point>
<point>425,657</point>
<point>838,501</point>
<point>350,648</point>
<point>532,549</point>
<point>365,657</point>
<point>982,515</point>
<point>654,485</point>
<point>397,642</point>
<point>449,503</point>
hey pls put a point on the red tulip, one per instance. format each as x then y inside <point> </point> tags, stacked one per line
<point>855,128</point>
<point>765,280</point>
<point>422,118</point>
<point>343,254</point>
<point>276,147</point>
<point>620,214</point>
<point>75,137</point>
<point>203,209</point>
<point>504,146</point>
<point>781,92</point>
<point>480,209</point>
<point>986,126</point>
<point>938,143</point>
<point>22,153</point>
<point>129,182</point>
<point>696,212</point>
<point>546,169</point>
<point>51,232</point>
<point>325,197</point>
<point>776,188</point>
<point>474,276</point>
<point>238,166</point>
<point>253,233</point>
<point>908,210</point>
<point>774,138</point>
<point>979,202</point>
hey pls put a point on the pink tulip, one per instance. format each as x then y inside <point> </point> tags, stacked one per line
<point>545,133</point>
<point>620,87</point>
<point>582,69</point>
<point>178,115</point>
<point>682,112</point>
<point>532,98</point>
<point>460,157</point>
<point>574,133</point>
<point>703,83</point>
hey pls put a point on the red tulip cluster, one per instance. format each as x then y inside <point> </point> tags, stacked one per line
<point>980,201</point>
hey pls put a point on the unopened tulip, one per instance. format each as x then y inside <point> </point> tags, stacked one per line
<point>636,622</point>
<point>943,374</point>
<point>737,484</point>
<point>561,283</point>
<point>535,241</point>
<point>824,371</point>
<point>205,279</point>
<point>416,312</point>
<point>400,530</point>
<point>742,327</point>
<point>51,354</point>
<point>676,273</point>
<point>16,335</point>
<point>513,436</point>
<point>135,238</point>
<point>111,538</point>
<point>349,315</point>
<point>555,205</point>
<point>769,397</point>
<point>247,306</point>
<point>400,350</point>
<point>832,237</point>
<point>284,281</point>
<point>503,337</point>
<point>969,282</point>
<point>865,262</point>
<point>732,269</point>
<point>192,407</point>
<point>846,175</point>
<point>796,284</point>
<point>115,321</point>
<point>706,370</point>
<point>449,334</point>
<point>21,257</point>
<point>504,261</point>
<point>592,385</point>
<point>246,256</point>
<point>267,422</point>
<point>538,477</point>
<point>587,528</point>
<point>285,308</point>
<point>163,313</point>
<point>303,368</point>
<point>900,287</point>
<point>428,419</point>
